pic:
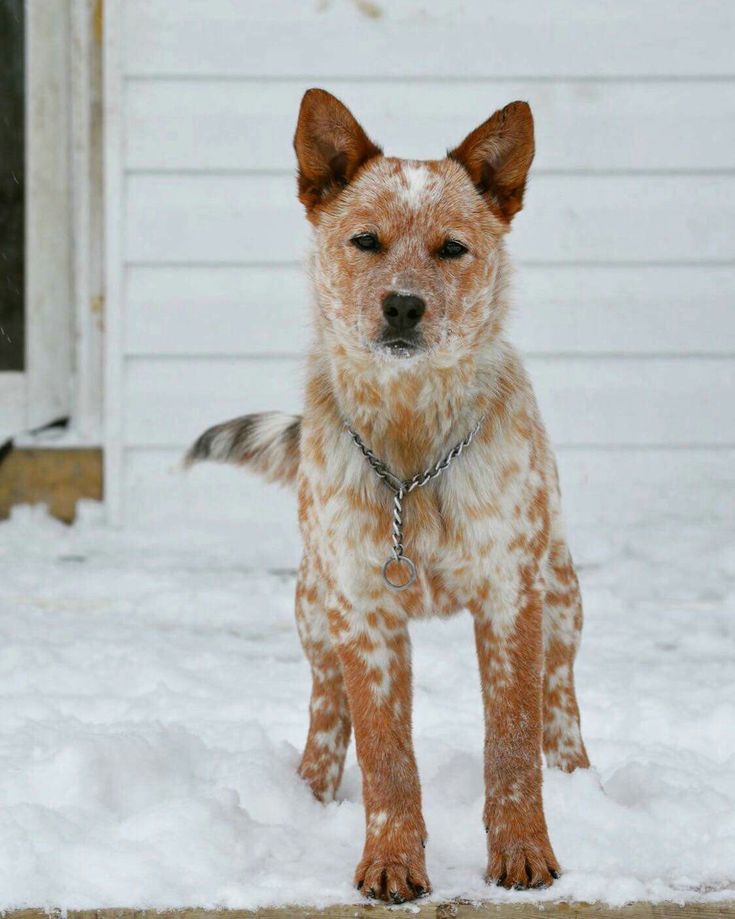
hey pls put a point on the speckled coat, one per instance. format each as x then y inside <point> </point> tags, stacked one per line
<point>486,536</point>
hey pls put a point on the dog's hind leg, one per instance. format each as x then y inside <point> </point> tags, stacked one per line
<point>562,738</point>
<point>329,714</point>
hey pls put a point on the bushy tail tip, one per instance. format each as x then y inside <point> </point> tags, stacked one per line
<point>268,442</point>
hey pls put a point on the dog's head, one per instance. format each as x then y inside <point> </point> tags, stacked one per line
<point>407,252</point>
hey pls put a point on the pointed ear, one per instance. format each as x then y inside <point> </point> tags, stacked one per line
<point>330,147</point>
<point>498,155</point>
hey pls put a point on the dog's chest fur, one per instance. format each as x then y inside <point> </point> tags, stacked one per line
<point>480,521</point>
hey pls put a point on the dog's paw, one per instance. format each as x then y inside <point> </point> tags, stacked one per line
<point>567,762</point>
<point>522,866</point>
<point>391,879</point>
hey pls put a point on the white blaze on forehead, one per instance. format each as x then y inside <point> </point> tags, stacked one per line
<point>417,179</point>
<point>415,185</point>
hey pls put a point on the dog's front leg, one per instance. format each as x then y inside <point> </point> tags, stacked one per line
<point>374,648</point>
<point>509,641</point>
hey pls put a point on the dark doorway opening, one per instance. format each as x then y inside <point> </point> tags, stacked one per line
<point>12,185</point>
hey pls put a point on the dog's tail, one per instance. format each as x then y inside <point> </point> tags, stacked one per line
<point>269,443</point>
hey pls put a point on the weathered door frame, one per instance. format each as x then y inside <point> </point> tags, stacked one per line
<point>62,258</point>
<point>114,233</point>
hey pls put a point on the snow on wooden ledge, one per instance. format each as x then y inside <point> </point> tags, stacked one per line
<point>455,909</point>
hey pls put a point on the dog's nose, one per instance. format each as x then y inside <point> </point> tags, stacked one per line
<point>403,311</point>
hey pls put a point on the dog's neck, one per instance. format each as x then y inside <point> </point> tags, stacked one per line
<point>410,413</point>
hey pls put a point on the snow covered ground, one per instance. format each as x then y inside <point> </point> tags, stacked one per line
<point>153,701</point>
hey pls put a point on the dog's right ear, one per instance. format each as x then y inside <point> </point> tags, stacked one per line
<point>498,155</point>
<point>330,147</point>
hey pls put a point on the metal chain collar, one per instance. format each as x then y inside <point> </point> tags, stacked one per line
<point>400,489</point>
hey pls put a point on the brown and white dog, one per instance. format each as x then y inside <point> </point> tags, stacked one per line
<point>410,279</point>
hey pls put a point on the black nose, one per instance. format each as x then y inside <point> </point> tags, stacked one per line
<point>403,311</point>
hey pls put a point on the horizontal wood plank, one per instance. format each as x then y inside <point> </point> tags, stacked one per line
<point>453,909</point>
<point>226,310</point>
<point>594,400</point>
<point>216,310</point>
<point>170,401</point>
<point>616,487</point>
<point>157,491</point>
<point>474,39</point>
<point>57,478</point>
<point>224,218</point>
<point>675,309</point>
<point>240,125</point>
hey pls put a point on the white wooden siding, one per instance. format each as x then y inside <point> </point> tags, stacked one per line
<point>570,309</point>
<point>586,400</point>
<point>185,218</point>
<point>441,38</point>
<point>626,260</point>
<point>636,484</point>
<point>594,125</point>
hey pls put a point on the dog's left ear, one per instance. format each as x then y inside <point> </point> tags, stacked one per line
<point>330,147</point>
<point>498,155</point>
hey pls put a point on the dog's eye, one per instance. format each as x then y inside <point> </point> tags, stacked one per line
<point>368,242</point>
<point>452,249</point>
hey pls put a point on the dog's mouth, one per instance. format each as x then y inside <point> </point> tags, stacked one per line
<point>400,345</point>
